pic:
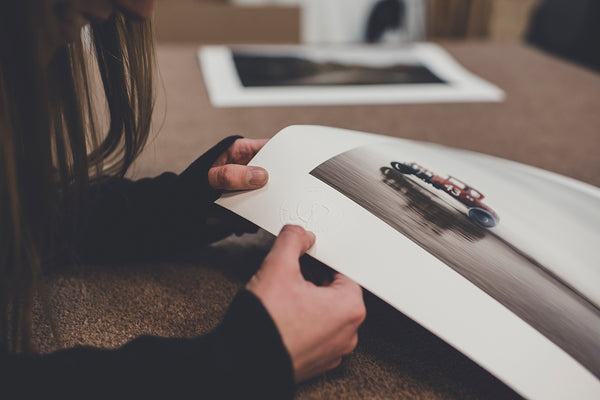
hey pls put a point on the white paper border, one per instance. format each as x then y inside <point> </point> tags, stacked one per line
<point>226,90</point>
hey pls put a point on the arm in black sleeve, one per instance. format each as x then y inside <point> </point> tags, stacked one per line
<point>149,218</point>
<point>243,358</point>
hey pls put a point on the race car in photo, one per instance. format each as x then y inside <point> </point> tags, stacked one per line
<point>479,212</point>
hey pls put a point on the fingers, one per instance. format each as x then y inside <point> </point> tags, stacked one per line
<point>330,362</point>
<point>352,295</point>
<point>292,242</point>
<point>241,152</point>
<point>237,177</point>
<point>352,343</point>
<point>318,324</point>
<point>230,172</point>
<point>342,282</point>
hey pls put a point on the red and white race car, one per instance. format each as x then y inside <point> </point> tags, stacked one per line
<point>480,213</point>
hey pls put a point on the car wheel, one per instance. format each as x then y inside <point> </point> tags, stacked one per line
<point>482,217</point>
<point>404,168</point>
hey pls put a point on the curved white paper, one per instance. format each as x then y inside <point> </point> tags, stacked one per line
<point>363,247</point>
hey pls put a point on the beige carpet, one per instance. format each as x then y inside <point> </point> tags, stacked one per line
<point>108,305</point>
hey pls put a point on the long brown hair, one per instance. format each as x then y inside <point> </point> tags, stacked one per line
<point>50,144</point>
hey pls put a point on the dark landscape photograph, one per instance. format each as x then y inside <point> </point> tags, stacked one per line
<point>264,70</point>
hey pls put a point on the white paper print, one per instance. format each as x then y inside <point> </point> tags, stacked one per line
<point>250,76</point>
<point>495,257</point>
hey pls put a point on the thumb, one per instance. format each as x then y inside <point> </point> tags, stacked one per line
<point>237,177</point>
<point>342,282</point>
<point>293,241</point>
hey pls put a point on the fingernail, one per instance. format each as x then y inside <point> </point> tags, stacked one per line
<point>312,236</point>
<point>257,176</point>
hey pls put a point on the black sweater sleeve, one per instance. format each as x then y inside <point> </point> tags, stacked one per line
<point>243,358</point>
<point>149,218</point>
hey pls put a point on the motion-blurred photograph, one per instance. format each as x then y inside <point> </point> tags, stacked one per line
<point>515,235</point>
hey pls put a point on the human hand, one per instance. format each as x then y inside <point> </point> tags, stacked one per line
<point>318,324</point>
<point>230,171</point>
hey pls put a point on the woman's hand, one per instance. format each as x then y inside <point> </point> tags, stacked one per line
<point>318,324</point>
<point>230,171</point>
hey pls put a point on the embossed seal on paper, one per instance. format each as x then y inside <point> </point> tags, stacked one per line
<point>315,212</point>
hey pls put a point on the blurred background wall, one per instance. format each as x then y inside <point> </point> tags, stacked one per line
<point>568,28</point>
<point>336,21</point>
<point>493,19</point>
<point>220,21</point>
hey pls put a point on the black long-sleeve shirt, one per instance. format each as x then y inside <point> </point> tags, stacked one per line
<point>244,357</point>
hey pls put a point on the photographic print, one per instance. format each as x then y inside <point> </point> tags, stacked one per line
<point>255,69</point>
<point>496,258</point>
<point>527,244</point>
<point>244,76</point>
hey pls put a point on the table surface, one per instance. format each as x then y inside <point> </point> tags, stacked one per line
<point>549,119</point>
